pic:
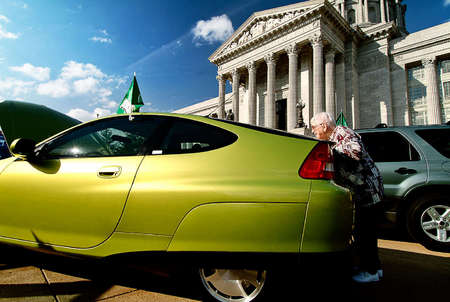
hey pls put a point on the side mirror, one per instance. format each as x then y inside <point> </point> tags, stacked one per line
<point>23,146</point>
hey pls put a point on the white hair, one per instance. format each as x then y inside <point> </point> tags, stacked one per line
<point>323,117</point>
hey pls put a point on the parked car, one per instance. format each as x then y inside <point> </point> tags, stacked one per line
<point>182,185</point>
<point>415,164</point>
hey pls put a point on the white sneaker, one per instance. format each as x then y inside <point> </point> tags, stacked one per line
<point>365,277</point>
<point>380,273</point>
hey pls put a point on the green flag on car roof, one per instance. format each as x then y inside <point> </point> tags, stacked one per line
<point>340,121</point>
<point>132,100</point>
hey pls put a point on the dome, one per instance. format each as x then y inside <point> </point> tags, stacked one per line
<point>27,120</point>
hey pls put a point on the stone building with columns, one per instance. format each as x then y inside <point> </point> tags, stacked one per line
<point>350,56</point>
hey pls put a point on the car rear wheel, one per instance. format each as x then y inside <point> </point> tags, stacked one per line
<point>428,221</point>
<point>233,285</point>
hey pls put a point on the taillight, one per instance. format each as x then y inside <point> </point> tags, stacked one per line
<point>318,164</point>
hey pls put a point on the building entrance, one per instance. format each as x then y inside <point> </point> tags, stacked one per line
<point>280,118</point>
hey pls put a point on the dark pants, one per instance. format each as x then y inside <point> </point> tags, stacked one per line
<point>366,238</point>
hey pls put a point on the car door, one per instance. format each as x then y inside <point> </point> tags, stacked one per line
<point>74,196</point>
<point>398,160</point>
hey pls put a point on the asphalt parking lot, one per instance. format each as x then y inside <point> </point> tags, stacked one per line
<point>412,273</point>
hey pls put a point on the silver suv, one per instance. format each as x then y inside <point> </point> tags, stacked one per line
<point>415,164</point>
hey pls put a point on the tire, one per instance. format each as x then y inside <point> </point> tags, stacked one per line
<point>428,221</point>
<point>233,285</point>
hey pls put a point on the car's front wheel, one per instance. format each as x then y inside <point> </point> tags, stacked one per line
<point>428,221</point>
<point>233,285</point>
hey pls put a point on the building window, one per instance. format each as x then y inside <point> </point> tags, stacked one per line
<point>444,89</point>
<point>417,92</point>
<point>445,66</point>
<point>373,15</point>
<point>351,16</point>
<point>446,86</point>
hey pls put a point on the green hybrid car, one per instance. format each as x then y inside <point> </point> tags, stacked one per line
<point>177,185</point>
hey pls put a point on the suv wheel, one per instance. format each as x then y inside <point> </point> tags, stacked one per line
<point>428,221</point>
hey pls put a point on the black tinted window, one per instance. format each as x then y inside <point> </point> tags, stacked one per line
<point>438,138</point>
<point>111,137</point>
<point>186,136</point>
<point>389,146</point>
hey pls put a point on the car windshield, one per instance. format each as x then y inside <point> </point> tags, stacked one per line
<point>439,139</point>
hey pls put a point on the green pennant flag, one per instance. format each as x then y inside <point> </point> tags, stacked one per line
<point>340,121</point>
<point>132,100</point>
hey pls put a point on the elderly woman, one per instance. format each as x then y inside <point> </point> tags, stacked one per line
<point>355,169</point>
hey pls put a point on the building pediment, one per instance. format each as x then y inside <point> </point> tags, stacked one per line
<point>265,24</point>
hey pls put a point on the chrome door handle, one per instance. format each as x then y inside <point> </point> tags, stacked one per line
<point>109,172</point>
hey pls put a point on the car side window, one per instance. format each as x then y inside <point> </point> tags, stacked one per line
<point>186,136</point>
<point>111,137</point>
<point>439,139</point>
<point>389,146</point>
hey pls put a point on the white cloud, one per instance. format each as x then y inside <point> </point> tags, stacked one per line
<point>4,19</point>
<point>85,85</point>
<point>38,73</point>
<point>216,29</point>
<point>104,39</point>
<point>84,115</point>
<point>13,87</point>
<point>446,2</point>
<point>55,89</point>
<point>101,40</point>
<point>3,32</point>
<point>7,35</point>
<point>73,69</point>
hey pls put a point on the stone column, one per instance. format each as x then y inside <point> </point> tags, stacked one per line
<point>383,11</point>
<point>433,104</point>
<point>251,93</point>
<point>221,110</point>
<point>330,77</point>
<point>317,46</point>
<point>293,83</point>
<point>236,76</point>
<point>269,105</point>
<point>359,13</point>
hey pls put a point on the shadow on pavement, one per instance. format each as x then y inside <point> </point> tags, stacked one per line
<point>408,276</point>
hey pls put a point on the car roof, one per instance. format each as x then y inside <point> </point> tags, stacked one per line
<point>208,120</point>
<point>408,128</point>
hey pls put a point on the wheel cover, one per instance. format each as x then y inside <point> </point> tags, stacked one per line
<point>435,223</point>
<point>229,285</point>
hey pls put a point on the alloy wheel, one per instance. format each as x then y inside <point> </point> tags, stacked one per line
<point>435,222</point>
<point>233,285</point>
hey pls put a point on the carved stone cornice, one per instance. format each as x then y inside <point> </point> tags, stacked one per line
<point>263,27</point>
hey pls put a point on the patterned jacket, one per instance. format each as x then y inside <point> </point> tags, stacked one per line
<point>354,168</point>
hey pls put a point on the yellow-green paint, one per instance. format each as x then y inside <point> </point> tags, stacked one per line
<point>241,227</point>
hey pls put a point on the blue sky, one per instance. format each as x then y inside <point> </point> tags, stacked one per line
<point>78,57</point>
